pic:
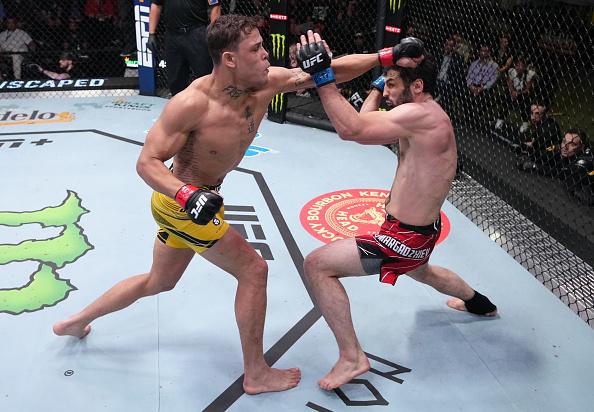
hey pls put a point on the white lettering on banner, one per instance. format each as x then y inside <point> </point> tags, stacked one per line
<point>141,15</point>
<point>47,84</point>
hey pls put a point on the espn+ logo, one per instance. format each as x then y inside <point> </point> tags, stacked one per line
<point>141,15</point>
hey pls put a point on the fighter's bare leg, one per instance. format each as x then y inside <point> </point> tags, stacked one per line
<point>168,266</point>
<point>234,255</point>
<point>322,268</point>
<point>447,282</point>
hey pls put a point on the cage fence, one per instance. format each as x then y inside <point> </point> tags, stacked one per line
<point>515,77</point>
<point>93,42</point>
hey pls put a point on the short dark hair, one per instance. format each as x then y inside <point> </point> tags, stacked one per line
<point>426,71</point>
<point>227,32</point>
<point>580,132</point>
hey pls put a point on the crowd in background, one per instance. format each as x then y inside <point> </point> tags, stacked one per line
<point>495,85</point>
<point>95,34</point>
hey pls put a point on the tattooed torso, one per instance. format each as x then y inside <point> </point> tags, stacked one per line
<point>222,134</point>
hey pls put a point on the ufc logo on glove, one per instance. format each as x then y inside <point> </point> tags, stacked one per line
<point>312,60</point>
<point>198,208</point>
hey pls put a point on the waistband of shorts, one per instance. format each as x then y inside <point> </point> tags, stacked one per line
<point>216,188</point>
<point>424,230</point>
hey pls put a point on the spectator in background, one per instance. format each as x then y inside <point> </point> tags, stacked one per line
<point>520,86</point>
<point>572,162</point>
<point>449,75</point>
<point>185,40</point>
<point>462,46</point>
<point>100,9</point>
<point>359,44</point>
<point>18,41</point>
<point>480,78</point>
<point>2,14</point>
<point>126,27</point>
<point>542,133</point>
<point>74,39</point>
<point>503,56</point>
<point>66,68</point>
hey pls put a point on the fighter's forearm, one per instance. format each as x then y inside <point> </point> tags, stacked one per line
<point>353,65</point>
<point>372,102</point>
<point>343,116</point>
<point>154,172</point>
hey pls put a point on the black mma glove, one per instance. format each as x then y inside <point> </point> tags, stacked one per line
<point>200,205</point>
<point>315,60</point>
<point>151,43</point>
<point>408,47</point>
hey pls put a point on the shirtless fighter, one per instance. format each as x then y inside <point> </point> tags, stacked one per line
<point>426,167</point>
<point>206,129</point>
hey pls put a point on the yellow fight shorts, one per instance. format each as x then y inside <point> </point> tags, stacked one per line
<point>178,231</point>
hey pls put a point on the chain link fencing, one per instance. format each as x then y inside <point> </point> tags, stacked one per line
<point>516,78</point>
<point>66,45</point>
<point>517,82</point>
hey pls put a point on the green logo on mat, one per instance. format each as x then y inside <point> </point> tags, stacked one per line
<point>45,287</point>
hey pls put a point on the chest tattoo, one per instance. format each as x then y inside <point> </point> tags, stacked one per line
<point>235,92</point>
<point>249,116</point>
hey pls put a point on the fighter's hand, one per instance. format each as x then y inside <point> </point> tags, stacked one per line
<point>378,84</point>
<point>408,53</point>
<point>200,205</point>
<point>314,57</point>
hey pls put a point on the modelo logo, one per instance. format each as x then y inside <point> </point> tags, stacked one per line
<point>141,15</point>
<point>10,118</point>
<point>348,213</point>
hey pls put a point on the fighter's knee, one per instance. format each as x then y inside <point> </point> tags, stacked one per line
<point>155,286</point>
<point>312,264</point>
<point>256,272</point>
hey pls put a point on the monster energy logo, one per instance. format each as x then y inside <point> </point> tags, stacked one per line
<point>45,286</point>
<point>393,6</point>
<point>277,102</point>
<point>278,45</point>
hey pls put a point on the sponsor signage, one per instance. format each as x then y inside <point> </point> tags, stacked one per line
<point>70,84</point>
<point>146,69</point>
<point>11,118</point>
<point>348,213</point>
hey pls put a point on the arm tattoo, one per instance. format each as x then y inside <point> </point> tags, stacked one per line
<point>300,77</point>
<point>249,116</point>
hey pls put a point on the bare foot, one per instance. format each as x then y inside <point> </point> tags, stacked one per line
<point>343,372</point>
<point>458,304</point>
<point>68,327</point>
<point>272,380</point>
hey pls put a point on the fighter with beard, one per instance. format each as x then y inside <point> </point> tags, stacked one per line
<point>426,168</point>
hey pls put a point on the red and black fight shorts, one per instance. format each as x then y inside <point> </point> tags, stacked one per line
<point>397,249</point>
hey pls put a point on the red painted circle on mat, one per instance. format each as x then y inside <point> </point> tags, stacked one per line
<point>348,213</point>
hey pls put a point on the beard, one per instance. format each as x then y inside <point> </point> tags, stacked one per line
<point>405,97</point>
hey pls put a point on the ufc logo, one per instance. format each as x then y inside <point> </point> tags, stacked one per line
<point>198,208</point>
<point>312,60</point>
